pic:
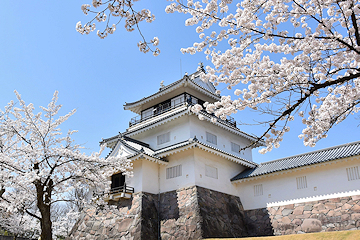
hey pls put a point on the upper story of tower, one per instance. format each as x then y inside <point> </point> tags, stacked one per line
<point>189,90</point>
<point>165,122</point>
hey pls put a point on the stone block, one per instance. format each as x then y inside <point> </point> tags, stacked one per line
<point>125,224</point>
<point>289,206</point>
<point>285,220</point>
<point>279,211</point>
<point>308,207</point>
<point>345,217</point>
<point>297,222</point>
<point>319,206</point>
<point>357,224</point>
<point>355,198</point>
<point>272,211</point>
<point>314,211</point>
<point>334,200</point>
<point>330,205</point>
<point>96,226</point>
<point>303,216</point>
<point>286,211</point>
<point>331,213</point>
<point>355,216</point>
<point>298,210</point>
<point>356,208</point>
<point>346,206</point>
<point>324,211</point>
<point>311,225</point>
<point>292,216</point>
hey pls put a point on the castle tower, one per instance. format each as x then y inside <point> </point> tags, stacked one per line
<point>182,168</point>
<point>171,148</point>
<point>193,179</point>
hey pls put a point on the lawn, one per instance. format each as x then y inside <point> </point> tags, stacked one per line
<point>341,235</point>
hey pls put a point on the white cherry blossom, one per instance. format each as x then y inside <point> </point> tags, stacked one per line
<point>284,58</point>
<point>40,165</point>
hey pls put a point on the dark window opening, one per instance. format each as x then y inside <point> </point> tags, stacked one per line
<point>117,180</point>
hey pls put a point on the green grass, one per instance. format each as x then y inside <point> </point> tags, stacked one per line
<point>341,235</point>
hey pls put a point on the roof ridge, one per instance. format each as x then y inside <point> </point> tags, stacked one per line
<point>160,149</point>
<point>184,78</point>
<point>195,140</point>
<point>315,151</point>
<point>137,142</point>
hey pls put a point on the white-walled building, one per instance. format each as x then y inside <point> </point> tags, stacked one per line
<point>206,184</point>
<point>172,149</point>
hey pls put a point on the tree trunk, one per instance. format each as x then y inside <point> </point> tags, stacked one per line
<point>46,224</point>
<point>43,203</point>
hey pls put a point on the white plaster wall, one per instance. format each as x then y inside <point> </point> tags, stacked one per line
<point>322,182</point>
<point>136,180</point>
<point>179,131</point>
<point>150,179</point>
<point>186,159</point>
<point>224,137</point>
<point>225,169</point>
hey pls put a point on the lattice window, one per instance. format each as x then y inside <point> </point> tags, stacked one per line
<point>163,138</point>
<point>147,113</point>
<point>211,138</point>
<point>177,101</point>
<point>211,171</point>
<point>173,172</point>
<point>353,173</point>
<point>235,147</point>
<point>258,190</point>
<point>301,182</point>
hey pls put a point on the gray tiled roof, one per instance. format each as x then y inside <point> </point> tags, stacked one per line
<point>195,140</point>
<point>196,82</point>
<point>320,156</point>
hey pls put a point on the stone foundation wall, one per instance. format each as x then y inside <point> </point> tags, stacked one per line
<point>187,213</point>
<point>334,214</point>
<point>258,223</point>
<point>222,214</point>
<point>179,214</point>
<point>196,213</point>
<point>134,218</point>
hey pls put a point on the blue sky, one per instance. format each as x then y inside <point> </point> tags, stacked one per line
<point>41,52</point>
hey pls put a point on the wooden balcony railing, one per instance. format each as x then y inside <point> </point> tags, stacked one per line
<point>122,189</point>
<point>160,109</point>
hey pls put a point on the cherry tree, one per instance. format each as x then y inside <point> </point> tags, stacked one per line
<point>19,224</point>
<point>39,165</point>
<point>283,58</point>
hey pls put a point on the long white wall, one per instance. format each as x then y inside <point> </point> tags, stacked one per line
<point>325,181</point>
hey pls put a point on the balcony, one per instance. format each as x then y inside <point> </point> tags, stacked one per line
<point>157,111</point>
<point>170,105</point>
<point>165,107</point>
<point>120,192</point>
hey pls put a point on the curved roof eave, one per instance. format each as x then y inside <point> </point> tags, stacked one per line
<point>171,117</point>
<point>169,88</point>
<point>155,159</point>
<point>203,146</point>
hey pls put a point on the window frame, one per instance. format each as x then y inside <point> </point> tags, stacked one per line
<point>166,140</point>
<point>212,136</point>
